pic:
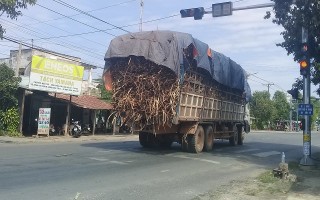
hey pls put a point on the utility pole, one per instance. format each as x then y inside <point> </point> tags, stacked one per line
<point>268,85</point>
<point>141,14</point>
<point>18,61</point>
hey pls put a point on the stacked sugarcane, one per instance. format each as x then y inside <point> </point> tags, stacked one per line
<point>146,92</point>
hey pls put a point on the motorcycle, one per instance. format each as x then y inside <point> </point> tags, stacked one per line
<point>86,130</point>
<point>75,129</point>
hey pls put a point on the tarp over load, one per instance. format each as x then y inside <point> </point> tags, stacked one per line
<point>166,48</point>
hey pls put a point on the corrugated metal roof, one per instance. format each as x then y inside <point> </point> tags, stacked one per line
<point>85,101</point>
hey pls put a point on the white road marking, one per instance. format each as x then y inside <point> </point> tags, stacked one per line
<point>267,153</point>
<point>118,162</point>
<point>164,170</point>
<point>105,151</point>
<point>109,161</point>
<point>99,159</point>
<point>247,150</point>
<point>191,158</point>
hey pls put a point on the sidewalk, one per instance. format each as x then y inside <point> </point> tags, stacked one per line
<point>56,139</point>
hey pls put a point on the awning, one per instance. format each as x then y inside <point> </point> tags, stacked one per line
<point>85,101</point>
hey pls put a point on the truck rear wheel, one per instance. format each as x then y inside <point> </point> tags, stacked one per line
<point>208,138</point>
<point>233,140</point>
<point>146,140</point>
<point>197,141</point>
<point>184,143</point>
<point>240,135</point>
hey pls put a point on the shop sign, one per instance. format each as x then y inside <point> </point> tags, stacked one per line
<point>55,76</point>
<point>44,121</point>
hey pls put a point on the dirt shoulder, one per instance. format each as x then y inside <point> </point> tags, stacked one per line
<point>54,139</point>
<point>303,183</point>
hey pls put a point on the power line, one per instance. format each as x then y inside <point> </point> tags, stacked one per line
<point>75,20</point>
<point>42,49</point>
<point>86,13</point>
<point>76,48</point>
<point>109,6</point>
<point>91,32</point>
<point>61,30</point>
<point>261,78</point>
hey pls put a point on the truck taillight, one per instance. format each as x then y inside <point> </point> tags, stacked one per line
<point>107,79</point>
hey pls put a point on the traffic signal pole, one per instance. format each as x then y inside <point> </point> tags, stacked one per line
<point>306,159</point>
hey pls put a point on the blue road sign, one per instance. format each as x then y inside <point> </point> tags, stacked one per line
<point>305,109</point>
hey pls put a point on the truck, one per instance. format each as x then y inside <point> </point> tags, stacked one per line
<point>171,87</point>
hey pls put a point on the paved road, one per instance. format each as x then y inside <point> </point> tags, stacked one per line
<point>123,170</point>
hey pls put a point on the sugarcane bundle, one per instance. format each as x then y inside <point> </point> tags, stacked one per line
<point>146,92</point>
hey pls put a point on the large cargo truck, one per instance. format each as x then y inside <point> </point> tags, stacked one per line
<point>171,87</point>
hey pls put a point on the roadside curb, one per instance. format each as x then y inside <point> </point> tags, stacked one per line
<point>61,139</point>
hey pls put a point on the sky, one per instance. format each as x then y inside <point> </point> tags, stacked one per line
<point>245,36</point>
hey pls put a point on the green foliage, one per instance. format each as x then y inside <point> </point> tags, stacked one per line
<point>12,9</point>
<point>281,106</point>
<point>267,177</point>
<point>10,120</point>
<point>9,88</point>
<point>316,112</point>
<point>261,107</point>
<point>292,15</point>
<point>105,95</point>
<point>9,114</point>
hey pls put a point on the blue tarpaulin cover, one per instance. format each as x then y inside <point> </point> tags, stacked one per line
<point>166,48</point>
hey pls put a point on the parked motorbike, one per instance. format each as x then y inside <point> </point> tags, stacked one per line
<point>52,130</point>
<point>75,129</point>
<point>86,130</point>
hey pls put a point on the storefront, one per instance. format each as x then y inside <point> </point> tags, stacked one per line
<point>88,110</point>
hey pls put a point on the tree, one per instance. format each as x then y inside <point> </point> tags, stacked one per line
<point>293,15</point>
<point>261,107</point>
<point>105,95</point>
<point>281,106</point>
<point>9,115</point>
<point>316,111</point>
<point>9,88</point>
<point>12,9</point>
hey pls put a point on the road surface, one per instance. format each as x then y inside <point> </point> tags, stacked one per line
<point>124,170</point>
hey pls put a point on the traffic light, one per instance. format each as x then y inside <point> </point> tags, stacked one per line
<point>294,93</point>
<point>304,61</point>
<point>197,13</point>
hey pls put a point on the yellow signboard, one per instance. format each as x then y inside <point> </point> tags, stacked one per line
<point>306,138</point>
<point>55,76</point>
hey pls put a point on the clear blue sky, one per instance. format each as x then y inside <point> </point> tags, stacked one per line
<point>245,36</point>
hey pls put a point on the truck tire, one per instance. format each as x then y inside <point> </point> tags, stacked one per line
<point>240,135</point>
<point>233,140</point>
<point>184,143</point>
<point>146,140</point>
<point>197,140</point>
<point>208,138</point>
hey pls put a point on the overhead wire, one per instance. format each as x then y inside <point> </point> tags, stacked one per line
<point>42,49</point>
<point>74,19</point>
<point>75,47</point>
<point>90,32</point>
<point>61,30</point>
<point>129,25</point>
<point>88,14</point>
<point>109,6</point>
